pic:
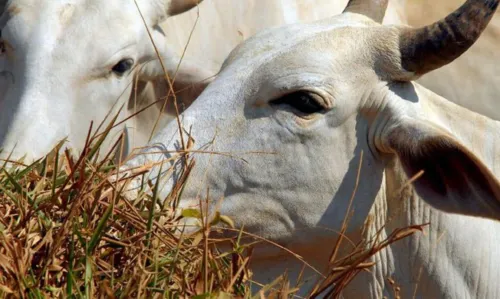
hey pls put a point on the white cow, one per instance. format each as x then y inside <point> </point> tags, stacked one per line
<point>56,55</point>
<point>65,63</point>
<point>470,81</point>
<point>321,95</point>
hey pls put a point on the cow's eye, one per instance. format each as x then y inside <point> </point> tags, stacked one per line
<point>301,101</point>
<point>3,47</point>
<point>123,66</point>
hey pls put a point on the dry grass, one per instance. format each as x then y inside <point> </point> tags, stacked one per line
<point>67,231</point>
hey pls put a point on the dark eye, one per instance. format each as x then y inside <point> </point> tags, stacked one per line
<point>3,47</point>
<point>123,66</point>
<point>3,44</point>
<point>302,101</point>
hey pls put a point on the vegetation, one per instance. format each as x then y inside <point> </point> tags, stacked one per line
<point>67,230</point>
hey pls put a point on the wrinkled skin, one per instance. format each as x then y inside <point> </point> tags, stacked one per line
<point>296,191</point>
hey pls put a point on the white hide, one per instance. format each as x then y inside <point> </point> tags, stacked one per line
<point>58,60</point>
<point>296,190</point>
<point>56,73</point>
<point>50,91</point>
<point>470,81</point>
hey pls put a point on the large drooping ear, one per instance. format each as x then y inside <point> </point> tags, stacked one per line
<point>454,179</point>
<point>374,9</point>
<point>157,11</point>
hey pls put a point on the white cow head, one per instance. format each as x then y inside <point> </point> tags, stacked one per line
<point>314,97</point>
<point>65,63</point>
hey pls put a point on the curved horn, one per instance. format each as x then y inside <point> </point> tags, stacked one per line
<point>374,9</point>
<point>428,48</point>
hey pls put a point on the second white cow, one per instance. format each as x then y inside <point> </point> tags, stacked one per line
<point>320,99</point>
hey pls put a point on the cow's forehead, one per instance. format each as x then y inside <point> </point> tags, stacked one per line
<point>73,25</point>
<point>64,13</point>
<point>276,41</point>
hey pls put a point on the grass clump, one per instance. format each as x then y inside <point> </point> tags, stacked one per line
<point>66,231</point>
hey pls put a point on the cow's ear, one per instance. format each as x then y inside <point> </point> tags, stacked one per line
<point>454,179</point>
<point>176,7</point>
<point>157,11</point>
<point>188,78</point>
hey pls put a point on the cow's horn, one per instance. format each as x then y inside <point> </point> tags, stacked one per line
<point>374,9</point>
<point>157,11</point>
<point>431,47</point>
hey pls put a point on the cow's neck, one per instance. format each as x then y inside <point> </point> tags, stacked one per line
<point>457,256</point>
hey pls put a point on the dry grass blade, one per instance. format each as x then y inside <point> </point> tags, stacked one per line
<point>344,270</point>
